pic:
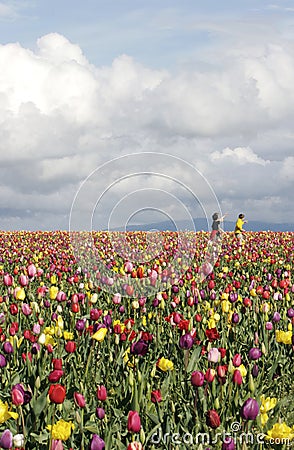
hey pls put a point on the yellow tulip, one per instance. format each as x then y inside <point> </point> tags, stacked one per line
<point>226,306</point>
<point>20,294</point>
<point>100,334</point>
<point>61,430</point>
<point>280,431</point>
<point>165,364</point>
<point>53,291</point>
<point>53,279</point>
<point>5,414</point>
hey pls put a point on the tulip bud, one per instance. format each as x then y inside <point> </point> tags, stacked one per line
<point>100,413</point>
<point>101,393</point>
<point>79,400</point>
<point>212,419</point>
<point>37,384</point>
<point>251,383</point>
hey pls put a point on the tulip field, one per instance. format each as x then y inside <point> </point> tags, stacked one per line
<point>191,362</point>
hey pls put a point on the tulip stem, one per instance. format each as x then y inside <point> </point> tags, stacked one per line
<point>22,421</point>
<point>82,429</point>
<point>89,358</point>
<point>52,424</point>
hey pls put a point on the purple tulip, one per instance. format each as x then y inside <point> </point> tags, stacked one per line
<point>235,318</point>
<point>212,296</point>
<point>3,361</point>
<point>254,353</point>
<point>100,413</point>
<point>54,316</point>
<point>255,371</point>
<point>155,302</point>
<point>107,320</point>
<point>276,317</point>
<point>139,348</point>
<point>202,294</point>
<point>6,439</point>
<point>250,409</point>
<point>233,297</point>
<point>186,341</point>
<point>97,443</point>
<point>7,347</point>
<point>80,324</point>
<point>290,312</point>
<point>175,288</point>
<point>228,444</point>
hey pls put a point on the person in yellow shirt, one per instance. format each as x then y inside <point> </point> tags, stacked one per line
<point>239,228</point>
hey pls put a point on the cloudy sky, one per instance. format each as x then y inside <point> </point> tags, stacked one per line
<point>176,108</point>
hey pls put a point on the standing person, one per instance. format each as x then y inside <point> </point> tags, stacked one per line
<point>239,228</point>
<point>216,230</point>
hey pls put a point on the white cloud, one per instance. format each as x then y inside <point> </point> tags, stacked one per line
<point>239,155</point>
<point>61,117</point>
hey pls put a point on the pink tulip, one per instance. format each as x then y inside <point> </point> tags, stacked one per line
<point>26,309</point>
<point>56,444</point>
<point>8,279</point>
<point>23,280</point>
<point>31,270</point>
<point>79,400</point>
<point>213,355</point>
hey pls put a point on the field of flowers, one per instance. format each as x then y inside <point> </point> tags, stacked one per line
<point>195,365</point>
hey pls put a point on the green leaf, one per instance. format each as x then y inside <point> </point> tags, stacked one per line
<point>40,403</point>
<point>92,428</point>
<point>194,358</point>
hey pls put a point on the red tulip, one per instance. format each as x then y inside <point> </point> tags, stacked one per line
<point>212,419</point>
<point>57,393</point>
<point>237,361</point>
<point>135,446</point>
<point>70,346</point>
<point>55,375</point>
<point>156,396</point>
<point>197,378</point>
<point>134,422</point>
<point>101,393</point>
<point>209,375</point>
<point>57,363</point>
<point>237,377</point>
